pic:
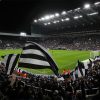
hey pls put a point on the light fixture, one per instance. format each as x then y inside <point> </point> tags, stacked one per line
<point>97,3</point>
<point>87,6</point>
<point>22,34</point>
<point>63,13</point>
<point>95,13</point>
<point>57,14</point>
<point>35,21</point>
<point>67,19</point>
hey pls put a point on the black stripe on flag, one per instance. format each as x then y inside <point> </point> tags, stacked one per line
<point>33,56</point>
<point>10,61</point>
<point>14,63</point>
<point>27,65</point>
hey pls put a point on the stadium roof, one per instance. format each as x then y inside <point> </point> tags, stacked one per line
<point>17,15</point>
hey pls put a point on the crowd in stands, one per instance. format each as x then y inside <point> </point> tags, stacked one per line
<point>39,87</point>
<point>70,43</point>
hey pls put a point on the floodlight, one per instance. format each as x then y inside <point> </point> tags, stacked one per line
<point>63,13</point>
<point>47,17</point>
<point>80,16</point>
<point>43,18</point>
<point>52,16</point>
<point>95,13</point>
<point>87,6</point>
<point>22,34</point>
<point>77,9</point>
<point>97,3</point>
<point>35,21</point>
<point>39,19</point>
<point>67,19</point>
<point>57,14</point>
<point>76,17</point>
<point>62,20</point>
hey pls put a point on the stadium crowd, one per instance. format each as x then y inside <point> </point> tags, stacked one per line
<point>39,87</point>
<point>70,43</point>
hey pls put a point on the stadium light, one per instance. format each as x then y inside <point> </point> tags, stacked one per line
<point>76,17</point>
<point>57,14</point>
<point>67,19</point>
<point>77,9</point>
<point>22,34</point>
<point>87,6</point>
<point>52,16</point>
<point>63,13</point>
<point>62,20</point>
<point>39,19</point>
<point>35,21</point>
<point>97,3</point>
<point>42,18</point>
<point>80,16</point>
<point>95,13</point>
<point>47,17</point>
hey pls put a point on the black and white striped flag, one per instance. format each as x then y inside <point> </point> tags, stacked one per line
<point>36,57</point>
<point>10,62</point>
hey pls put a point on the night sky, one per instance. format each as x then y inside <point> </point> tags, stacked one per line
<point>17,15</point>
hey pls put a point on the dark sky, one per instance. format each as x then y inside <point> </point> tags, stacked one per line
<point>17,15</point>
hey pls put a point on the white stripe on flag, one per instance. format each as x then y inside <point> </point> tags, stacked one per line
<point>74,76</point>
<point>83,70</point>
<point>34,61</point>
<point>79,74</point>
<point>33,51</point>
<point>5,59</point>
<point>11,63</point>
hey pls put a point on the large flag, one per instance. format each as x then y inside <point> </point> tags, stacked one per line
<point>36,57</point>
<point>10,61</point>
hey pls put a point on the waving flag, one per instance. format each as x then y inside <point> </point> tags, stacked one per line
<point>36,57</point>
<point>10,62</point>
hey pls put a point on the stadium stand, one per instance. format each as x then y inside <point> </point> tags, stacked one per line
<point>87,42</point>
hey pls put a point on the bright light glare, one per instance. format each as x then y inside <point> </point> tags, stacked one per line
<point>43,18</point>
<point>35,21</point>
<point>47,17</point>
<point>87,6</point>
<point>97,3</point>
<point>22,34</point>
<point>76,17</point>
<point>67,19</point>
<point>77,9</point>
<point>63,13</point>
<point>57,14</point>
<point>95,13</point>
<point>52,16</point>
<point>62,20</point>
<point>80,16</point>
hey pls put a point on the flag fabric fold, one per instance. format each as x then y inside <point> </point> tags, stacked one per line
<point>35,56</point>
<point>10,62</point>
